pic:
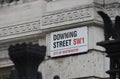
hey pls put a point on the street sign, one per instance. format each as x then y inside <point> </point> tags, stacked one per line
<point>71,41</point>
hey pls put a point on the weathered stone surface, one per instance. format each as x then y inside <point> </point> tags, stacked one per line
<point>22,13</point>
<point>23,22</point>
<point>93,63</point>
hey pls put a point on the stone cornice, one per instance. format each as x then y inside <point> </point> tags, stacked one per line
<point>113,10</point>
<point>20,28</point>
<point>71,16</point>
<point>79,13</point>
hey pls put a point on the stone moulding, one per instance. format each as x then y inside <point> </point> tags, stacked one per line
<point>20,28</point>
<point>66,16</point>
<point>53,19</point>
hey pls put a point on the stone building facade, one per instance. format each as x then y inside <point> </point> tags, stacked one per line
<point>35,21</point>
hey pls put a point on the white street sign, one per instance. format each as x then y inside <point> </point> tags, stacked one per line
<point>69,41</point>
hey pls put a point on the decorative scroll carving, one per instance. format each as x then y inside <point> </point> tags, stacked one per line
<point>21,28</point>
<point>55,18</point>
<point>66,16</point>
<point>77,14</point>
